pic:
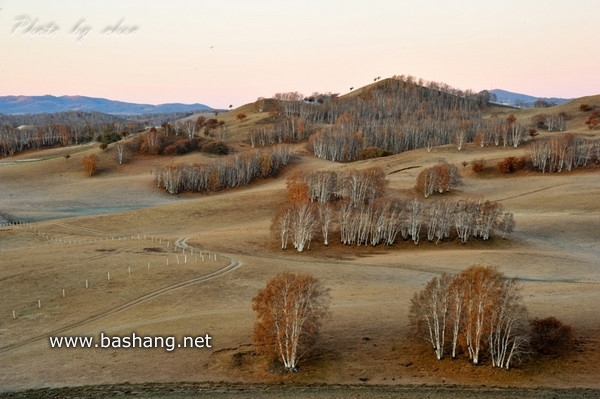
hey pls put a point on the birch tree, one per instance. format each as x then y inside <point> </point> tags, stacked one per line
<point>456,299</point>
<point>481,289</point>
<point>429,311</point>
<point>325,218</point>
<point>304,223</point>
<point>290,311</point>
<point>281,225</point>
<point>507,338</point>
<point>121,150</point>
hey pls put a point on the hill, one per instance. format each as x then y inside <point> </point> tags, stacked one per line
<point>575,116</point>
<point>520,100</point>
<point>53,104</point>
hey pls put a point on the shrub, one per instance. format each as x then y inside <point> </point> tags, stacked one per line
<point>370,153</point>
<point>170,150</point>
<point>109,137</point>
<point>216,148</point>
<point>532,132</point>
<point>593,121</point>
<point>181,146</point>
<point>134,145</point>
<point>550,336</point>
<point>539,121</point>
<point>478,165</point>
<point>511,164</point>
<point>585,107</point>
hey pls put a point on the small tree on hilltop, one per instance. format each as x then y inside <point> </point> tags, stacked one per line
<point>290,311</point>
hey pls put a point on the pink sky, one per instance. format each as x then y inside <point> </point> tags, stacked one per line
<point>221,53</point>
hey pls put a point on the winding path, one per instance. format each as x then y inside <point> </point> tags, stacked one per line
<point>152,295</point>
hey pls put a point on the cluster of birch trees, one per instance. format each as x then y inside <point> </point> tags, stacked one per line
<point>440,178</point>
<point>498,131</point>
<point>478,312</point>
<point>563,153</point>
<point>15,140</point>
<point>228,172</point>
<point>36,131</point>
<point>383,221</point>
<point>394,115</point>
<point>357,186</point>
<point>550,122</point>
<point>292,129</point>
<point>354,203</point>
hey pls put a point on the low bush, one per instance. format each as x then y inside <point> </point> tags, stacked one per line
<point>370,153</point>
<point>216,148</point>
<point>511,165</point>
<point>109,137</point>
<point>550,336</point>
<point>478,165</point>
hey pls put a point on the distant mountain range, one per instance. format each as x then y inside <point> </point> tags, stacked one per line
<point>53,104</point>
<point>522,100</point>
<point>19,105</point>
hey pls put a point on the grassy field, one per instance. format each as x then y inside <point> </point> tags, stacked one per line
<point>118,222</point>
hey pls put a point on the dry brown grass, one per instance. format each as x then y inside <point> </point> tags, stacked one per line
<point>554,253</point>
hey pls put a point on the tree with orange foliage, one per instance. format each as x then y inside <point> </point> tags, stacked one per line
<point>442,177</point>
<point>266,164</point>
<point>298,190</point>
<point>479,308</point>
<point>593,121</point>
<point>290,311</point>
<point>481,289</point>
<point>214,180</point>
<point>298,218</point>
<point>90,163</point>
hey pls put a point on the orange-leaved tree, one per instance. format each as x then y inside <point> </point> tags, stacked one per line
<point>479,309</point>
<point>90,163</point>
<point>298,189</point>
<point>290,311</point>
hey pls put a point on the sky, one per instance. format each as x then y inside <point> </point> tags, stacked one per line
<point>223,53</point>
